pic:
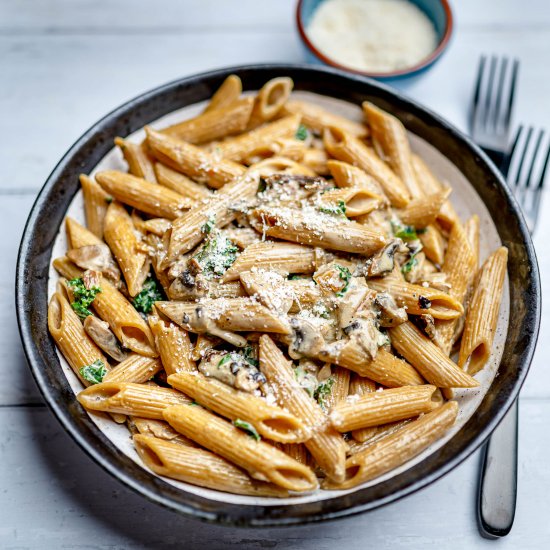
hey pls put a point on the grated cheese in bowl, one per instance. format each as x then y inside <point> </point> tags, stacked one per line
<point>376,36</point>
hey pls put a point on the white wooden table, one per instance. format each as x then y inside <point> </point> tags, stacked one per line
<point>64,64</point>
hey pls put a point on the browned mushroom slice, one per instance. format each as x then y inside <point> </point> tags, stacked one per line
<point>102,335</point>
<point>96,257</point>
<point>382,262</point>
<point>390,314</point>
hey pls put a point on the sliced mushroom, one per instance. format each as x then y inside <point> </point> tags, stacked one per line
<point>101,334</point>
<point>96,257</point>
<point>390,314</point>
<point>382,262</point>
<point>233,369</point>
<point>307,339</point>
<point>426,323</point>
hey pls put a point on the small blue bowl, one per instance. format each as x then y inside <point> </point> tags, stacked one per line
<point>438,11</point>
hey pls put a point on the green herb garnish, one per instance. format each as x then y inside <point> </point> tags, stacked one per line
<point>209,225</point>
<point>345,275</point>
<point>225,359</point>
<point>216,255</point>
<point>150,294</point>
<point>405,232</point>
<point>247,427</point>
<point>338,209</point>
<point>83,297</point>
<point>407,267</point>
<point>250,357</point>
<point>301,133</point>
<point>323,391</point>
<point>94,373</point>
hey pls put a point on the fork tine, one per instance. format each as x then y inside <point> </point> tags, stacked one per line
<point>513,80</point>
<point>500,87</point>
<point>477,92</point>
<point>533,159</point>
<point>538,191</point>
<point>505,166</point>
<point>490,82</point>
<point>516,183</point>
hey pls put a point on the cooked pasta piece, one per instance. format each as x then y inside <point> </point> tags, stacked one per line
<point>481,320</point>
<point>326,445</point>
<point>139,162</point>
<point>95,204</point>
<point>428,358</point>
<point>276,256</point>
<point>153,199</point>
<point>339,387</point>
<point>180,183</point>
<point>357,200</point>
<point>269,421</point>
<point>433,244</point>
<point>471,229</point>
<point>124,239</point>
<point>159,429</point>
<point>75,345</point>
<point>270,100</point>
<point>136,368</point>
<point>423,211</point>
<point>381,407</point>
<point>348,148</point>
<point>131,399</point>
<point>318,118</point>
<point>261,460</point>
<point>200,467</point>
<point>359,386</point>
<point>199,165</point>
<point>390,136</point>
<point>214,124</point>
<point>187,230</point>
<point>325,231</point>
<point>419,300</point>
<point>240,147</point>
<point>173,345</point>
<point>229,91</point>
<point>397,448</point>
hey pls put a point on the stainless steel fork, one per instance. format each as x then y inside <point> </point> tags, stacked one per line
<point>526,167</point>
<point>492,105</point>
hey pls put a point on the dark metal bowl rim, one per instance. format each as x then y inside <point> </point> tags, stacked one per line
<point>31,282</point>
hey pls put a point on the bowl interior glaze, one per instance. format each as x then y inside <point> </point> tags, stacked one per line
<point>57,195</point>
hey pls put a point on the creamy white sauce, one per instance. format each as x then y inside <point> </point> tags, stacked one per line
<point>372,35</point>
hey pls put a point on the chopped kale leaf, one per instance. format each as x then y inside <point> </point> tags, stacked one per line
<point>94,373</point>
<point>405,232</point>
<point>248,428</point>
<point>209,225</point>
<point>150,294</point>
<point>83,297</point>
<point>216,255</point>
<point>301,133</point>
<point>323,391</point>
<point>407,267</point>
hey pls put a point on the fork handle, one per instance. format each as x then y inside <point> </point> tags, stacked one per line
<point>498,479</point>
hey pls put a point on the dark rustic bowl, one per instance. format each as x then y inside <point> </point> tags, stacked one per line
<point>49,210</point>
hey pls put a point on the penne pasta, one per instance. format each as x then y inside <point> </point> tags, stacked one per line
<point>339,389</point>
<point>261,460</point>
<point>326,445</point>
<point>270,100</point>
<point>317,118</point>
<point>95,205</point>
<point>130,399</point>
<point>201,166</point>
<point>433,244</point>
<point>173,345</point>
<point>139,162</point>
<point>390,136</point>
<point>397,448</point>
<point>429,359</point>
<point>348,148</point>
<point>358,201</point>
<point>423,211</point>
<point>245,145</point>
<point>200,467</point>
<point>328,231</point>
<point>214,124</point>
<point>181,184</point>
<point>381,407</point>
<point>75,345</point>
<point>419,300</point>
<point>143,195</point>
<point>269,421</point>
<point>122,237</point>
<point>136,369</point>
<point>227,93</point>
<point>482,317</point>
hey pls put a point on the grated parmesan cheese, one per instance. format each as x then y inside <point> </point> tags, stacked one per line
<point>372,35</point>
